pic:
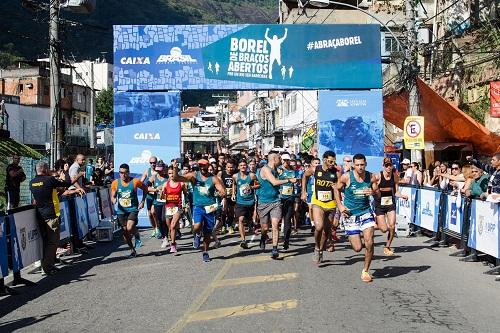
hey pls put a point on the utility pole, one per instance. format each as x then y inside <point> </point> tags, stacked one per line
<point>411,56</point>
<point>92,106</point>
<point>55,87</point>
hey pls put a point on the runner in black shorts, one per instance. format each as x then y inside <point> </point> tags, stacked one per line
<point>228,204</point>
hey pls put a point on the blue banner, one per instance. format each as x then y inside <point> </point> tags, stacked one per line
<point>484,232</point>
<point>352,122</point>
<point>454,213</point>
<point>64,228</point>
<point>247,57</point>
<point>92,211</point>
<point>26,239</point>
<point>82,218</point>
<point>427,213</point>
<point>4,266</point>
<point>406,208</point>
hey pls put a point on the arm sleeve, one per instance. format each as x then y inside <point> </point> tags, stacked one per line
<point>137,183</point>
<point>114,185</point>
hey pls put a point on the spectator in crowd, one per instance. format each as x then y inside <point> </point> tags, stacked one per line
<point>412,175</point>
<point>14,177</point>
<point>62,167</point>
<point>100,164</point>
<point>405,164</point>
<point>479,186</point>
<point>77,170</point>
<point>109,173</point>
<point>456,179</point>
<point>494,171</point>
<point>97,178</point>
<point>89,169</point>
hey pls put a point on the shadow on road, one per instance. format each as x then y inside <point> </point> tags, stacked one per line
<point>13,325</point>
<point>395,271</point>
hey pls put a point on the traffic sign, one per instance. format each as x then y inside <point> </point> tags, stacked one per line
<point>414,132</point>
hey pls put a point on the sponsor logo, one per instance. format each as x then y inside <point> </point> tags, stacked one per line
<point>23,238</point>
<point>147,136</point>
<point>135,61</point>
<point>345,103</point>
<point>176,56</point>
<point>484,226</point>
<point>427,210</point>
<point>143,159</point>
<point>480,224</point>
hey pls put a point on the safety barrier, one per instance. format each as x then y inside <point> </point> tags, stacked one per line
<point>21,241</point>
<point>474,222</point>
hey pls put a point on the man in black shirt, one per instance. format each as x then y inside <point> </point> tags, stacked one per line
<point>44,189</point>
<point>15,176</point>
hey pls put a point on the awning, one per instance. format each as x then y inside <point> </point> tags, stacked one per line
<point>443,120</point>
<point>9,146</point>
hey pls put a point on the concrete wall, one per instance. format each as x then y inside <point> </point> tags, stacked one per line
<point>29,124</point>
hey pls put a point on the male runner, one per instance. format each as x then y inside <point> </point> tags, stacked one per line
<point>157,182</point>
<point>204,204</point>
<point>244,196</point>
<point>287,196</point>
<point>323,200</point>
<point>124,192</point>
<point>358,186</point>
<point>228,204</point>
<point>146,176</point>
<point>269,205</point>
<point>385,205</point>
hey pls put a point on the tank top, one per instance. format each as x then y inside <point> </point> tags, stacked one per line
<point>150,195</point>
<point>323,192</point>
<point>387,188</point>
<point>267,193</point>
<point>127,197</point>
<point>228,183</point>
<point>244,193</point>
<point>286,190</point>
<point>159,198</point>
<point>354,198</point>
<point>173,195</point>
<point>203,191</point>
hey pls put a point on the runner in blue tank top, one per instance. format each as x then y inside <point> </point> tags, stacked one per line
<point>244,186</point>
<point>358,186</point>
<point>204,202</point>
<point>269,206</point>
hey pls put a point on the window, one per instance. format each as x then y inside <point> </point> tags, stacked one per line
<point>236,130</point>
<point>20,87</point>
<point>391,45</point>
<point>293,106</point>
<point>84,121</point>
<point>79,97</point>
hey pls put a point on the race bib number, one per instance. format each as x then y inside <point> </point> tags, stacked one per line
<point>125,202</point>
<point>172,210</point>
<point>245,191</point>
<point>325,195</point>
<point>386,201</point>
<point>203,190</point>
<point>287,190</point>
<point>361,192</point>
<point>211,208</point>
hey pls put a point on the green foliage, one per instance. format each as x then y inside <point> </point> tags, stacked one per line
<point>478,109</point>
<point>8,56</point>
<point>104,107</point>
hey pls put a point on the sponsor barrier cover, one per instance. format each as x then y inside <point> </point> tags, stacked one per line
<point>406,208</point>
<point>93,213</point>
<point>4,267</point>
<point>82,219</point>
<point>484,223</point>
<point>427,212</point>
<point>26,239</point>
<point>65,220</point>
<point>454,213</point>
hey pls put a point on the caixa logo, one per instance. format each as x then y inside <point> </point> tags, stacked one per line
<point>147,136</point>
<point>135,61</point>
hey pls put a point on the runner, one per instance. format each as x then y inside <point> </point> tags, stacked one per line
<point>243,194</point>
<point>228,204</point>
<point>269,205</point>
<point>358,186</point>
<point>323,200</point>
<point>158,181</point>
<point>310,188</point>
<point>385,205</point>
<point>297,194</point>
<point>124,192</point>
<point>172,194</point>
<point>204,204</point>
<point>287,196</point>
<point>146,176</point>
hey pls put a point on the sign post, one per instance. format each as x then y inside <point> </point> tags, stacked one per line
<point>414,133</point>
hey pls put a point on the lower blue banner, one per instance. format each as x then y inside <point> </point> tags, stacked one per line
<point>82,218</point>
<point>454,214</point>
<point>484,222</point>
<point>427,212</point>
<point>4,267</point>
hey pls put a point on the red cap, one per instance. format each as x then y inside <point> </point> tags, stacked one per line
<point>387,160</point>
<point>203,161</point>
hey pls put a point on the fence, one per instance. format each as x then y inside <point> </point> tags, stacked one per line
<point>20,235</point>
<point>474,222</point>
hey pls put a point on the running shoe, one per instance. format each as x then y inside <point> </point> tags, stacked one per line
<point>173,248</point>
<point>366,277</point>
<point>286,245</point>
<point>196,241</point>
<point>153,234</point>
<point>388,251</point>
<point>206,257</point>
<point>316,255</point>
<point>244,244</point>
<point>223,230</point>
<point>164,243</point>
<point>262,243</point>
<point>217,244</point>
<point>320,257</point>
<point>230,230</point>
<point>295,232</point>
<point>138,243</point>
<point>132,254</point>
<point>158,234</point>
<point>274,253</point>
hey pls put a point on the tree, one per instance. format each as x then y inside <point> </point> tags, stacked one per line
<point>104,107</point>
<point>8,56</point>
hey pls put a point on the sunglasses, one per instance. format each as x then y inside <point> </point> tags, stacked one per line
<point>330,161</point>
<point>454,168</point>
<point>347,161</point>
<point>123,172</point>
<point>387,165</point>
<point>152,162</point>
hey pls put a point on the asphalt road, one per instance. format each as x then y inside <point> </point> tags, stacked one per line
<point>421,289</point>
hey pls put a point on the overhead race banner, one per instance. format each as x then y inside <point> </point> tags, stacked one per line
<point>406,208</point>
<point>26,239</point>
<point>414,132</point>
<point>247,57</point>
<point>484,223</point>
<point>427,215</point>
<point>92,211</point>
<point>82,219</point>
<point>495,99</point>
<point>352,122</point>
<point>146,124</point>
<point>64,228</point>
<point>454,214</point>
<point>4,266</point>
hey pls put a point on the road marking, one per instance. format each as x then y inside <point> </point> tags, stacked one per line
<point>242,310</point>
<point>255,279</point>
<point>249,259</point>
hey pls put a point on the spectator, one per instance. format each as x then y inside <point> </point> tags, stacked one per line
<point>479,186</point>
<point>413,176</point>
<point>405,164</point>
<point>494,171</point>
<point>97,178</point>
<point>89,169</point>
<point>76,170</point>
<point>62,166</point>
<point>109,173</point>
<point>456,178</point>
<point>14,177</point>
<point>100,164</point>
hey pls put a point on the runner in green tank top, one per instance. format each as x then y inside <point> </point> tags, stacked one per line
<point>359,185</point>
<point>146,175</point>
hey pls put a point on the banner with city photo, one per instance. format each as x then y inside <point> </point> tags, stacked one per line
<point>427,212</point>
<point>247,57</point>
<point>64,228</point>
<point>352,122</point>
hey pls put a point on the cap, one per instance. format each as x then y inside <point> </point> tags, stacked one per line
<point>285,157</point>
<point>405,161</point>
<point>203,161</point>
<point>387,160</point>
<point>212,160</point>
<point>160,165</point>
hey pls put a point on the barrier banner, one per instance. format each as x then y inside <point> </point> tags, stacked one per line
<point>82,219</point>
<point>4,266</point>
<point>406,208</point>
<point>427,213</point>
<point>65,220</point>
<point>106,207</point>
<point>352,122</point>
<point>247,57</point>
<point>454,214</point>
<point>26,239</point>
<point>92,212</point>
<point>483,233</point>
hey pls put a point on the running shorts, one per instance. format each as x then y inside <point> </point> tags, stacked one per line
<point>268,211</point>
<point>123,218</point>
<point>382,210</point>
<point>244,210</point>
<point>149,203</point>
<point>330,213</point>
<point>354,225</point>
<point>208,219</point>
